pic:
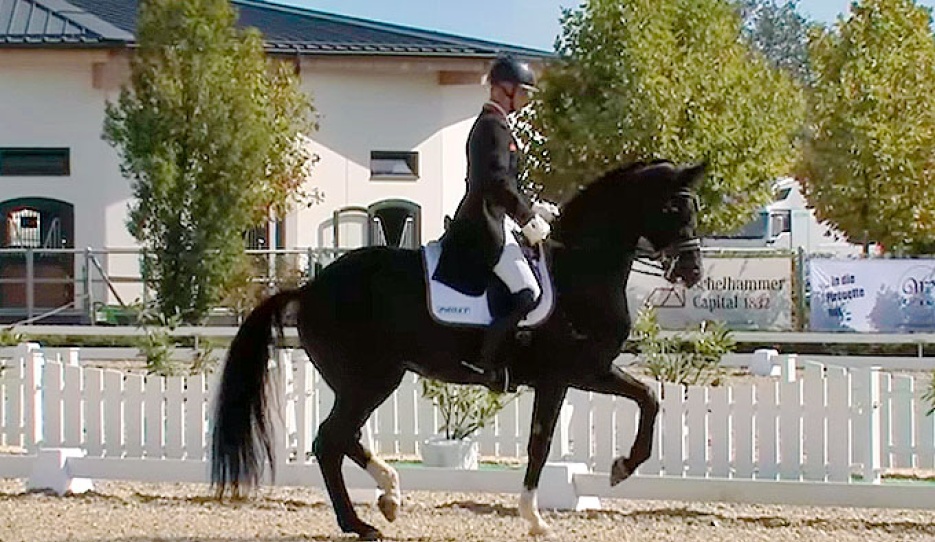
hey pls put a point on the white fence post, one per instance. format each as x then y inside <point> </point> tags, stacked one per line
<point>35,361</point>
<point>816,414</point>
<point>872,465</point>
<point>283,422</point>
<point>561,438</point>
<point>581,428</point>
<point>841,434</point>
<point>673,427</point>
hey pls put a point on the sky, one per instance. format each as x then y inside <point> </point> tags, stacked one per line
<point>530,23</point>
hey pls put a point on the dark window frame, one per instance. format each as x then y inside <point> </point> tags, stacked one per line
<point>411,158</point>
<point>258,238</point>
<point>59,164</point>
<point>780,222</point>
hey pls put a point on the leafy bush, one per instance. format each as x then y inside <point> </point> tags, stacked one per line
<point>252,281</point>
<point>204,360</point>
<point>157,346</point>
<point>690,359</point>
<point>464,409</point>
<point>929,395</point>
<point>8,337</point>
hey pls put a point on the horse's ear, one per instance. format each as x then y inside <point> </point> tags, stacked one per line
<point>691,176</point>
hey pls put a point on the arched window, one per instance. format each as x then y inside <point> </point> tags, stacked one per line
<point>396,223</point>
<point>36,223</point>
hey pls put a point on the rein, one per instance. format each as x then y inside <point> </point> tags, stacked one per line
<point>643,257</point>
<point>647,258</point>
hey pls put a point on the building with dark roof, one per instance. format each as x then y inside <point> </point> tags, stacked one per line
<point>112,24</point>
<point>395,105</point>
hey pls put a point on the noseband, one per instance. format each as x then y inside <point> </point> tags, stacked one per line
<point>661,263</point>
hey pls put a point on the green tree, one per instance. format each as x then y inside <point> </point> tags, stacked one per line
<point>210,136</point>
<point>780,32</point>
<point>868,164</point>
<point>645,79</point>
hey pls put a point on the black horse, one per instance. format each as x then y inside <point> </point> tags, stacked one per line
<point>364,323</point>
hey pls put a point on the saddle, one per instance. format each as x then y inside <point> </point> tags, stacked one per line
<point>449,306</point>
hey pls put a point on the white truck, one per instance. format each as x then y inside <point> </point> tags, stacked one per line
<point>787,223</point>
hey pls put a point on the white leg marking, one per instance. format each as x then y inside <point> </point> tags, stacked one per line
<point>529,510</point>
<point>388,480</point>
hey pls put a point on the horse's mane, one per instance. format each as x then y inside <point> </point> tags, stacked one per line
<point>611,181</point>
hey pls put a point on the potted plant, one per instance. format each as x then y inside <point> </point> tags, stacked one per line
<point>464,410</point>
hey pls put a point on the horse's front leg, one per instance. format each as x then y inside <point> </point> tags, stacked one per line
<point>546,409</point>
<point>616,382</point>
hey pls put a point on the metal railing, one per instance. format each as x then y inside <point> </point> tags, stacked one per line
<point>98,286</point>
<point>89,286</point>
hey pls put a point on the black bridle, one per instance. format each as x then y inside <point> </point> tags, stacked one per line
<point>661,263</point>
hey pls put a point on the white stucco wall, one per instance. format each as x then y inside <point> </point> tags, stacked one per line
<point>362,112</point>
<point>48,100</point>
<point>57,98</point>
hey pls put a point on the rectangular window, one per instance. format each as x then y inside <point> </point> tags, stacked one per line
<point>35,162</point>
<point>780,222</point>
<point>258,238</point>
<point>394,165</point>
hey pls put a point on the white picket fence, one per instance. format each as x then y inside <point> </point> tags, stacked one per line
<point>825,428</point>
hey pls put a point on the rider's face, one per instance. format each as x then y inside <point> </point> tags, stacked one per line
<point>520,97</point>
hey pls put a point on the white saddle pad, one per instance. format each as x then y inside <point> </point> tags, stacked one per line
<point>450,306</point>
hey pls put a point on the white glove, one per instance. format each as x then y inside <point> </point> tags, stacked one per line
<point>547,210</point>
<point>536,230</point>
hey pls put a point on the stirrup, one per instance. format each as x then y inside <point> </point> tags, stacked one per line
<point>506,387</point>
<point>501,386</point>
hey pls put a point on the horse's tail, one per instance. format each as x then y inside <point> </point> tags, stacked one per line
<point>242,436</point>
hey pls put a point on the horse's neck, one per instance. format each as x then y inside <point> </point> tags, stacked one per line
<point>603,271</point>
<point>592,297</point>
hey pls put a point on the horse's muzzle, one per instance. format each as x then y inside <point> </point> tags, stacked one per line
<point>687,268</point>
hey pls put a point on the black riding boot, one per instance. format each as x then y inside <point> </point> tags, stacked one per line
<point>498,335</point>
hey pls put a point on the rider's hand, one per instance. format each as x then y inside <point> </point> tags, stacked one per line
<point>547,210</point>
<point>536,230</point>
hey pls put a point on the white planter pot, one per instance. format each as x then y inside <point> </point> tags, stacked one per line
<point>452,454</point>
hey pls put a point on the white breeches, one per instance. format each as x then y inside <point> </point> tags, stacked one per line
<point>512,267</point>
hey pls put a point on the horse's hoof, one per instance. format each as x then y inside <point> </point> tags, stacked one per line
<point>369,533</point>
<point>541,530</point>
<point>364,531</point>
<point>619,471</point>
<point>389,506</point>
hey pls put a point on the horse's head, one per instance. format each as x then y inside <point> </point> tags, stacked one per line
<point>654,201</point>
<point>671,227</point>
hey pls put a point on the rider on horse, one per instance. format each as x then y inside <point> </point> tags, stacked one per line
<point>477,243</point>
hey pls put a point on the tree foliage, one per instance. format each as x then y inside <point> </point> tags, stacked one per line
<point>868,165</point>
<point>210,135</point>
<point>673,79</point>
<point>778,30</point>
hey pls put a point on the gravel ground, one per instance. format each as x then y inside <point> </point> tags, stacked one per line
<point>137,512</point>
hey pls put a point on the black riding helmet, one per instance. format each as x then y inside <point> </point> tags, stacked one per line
<point>507,69</point>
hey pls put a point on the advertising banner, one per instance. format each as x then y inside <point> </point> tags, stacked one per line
<point>892,296</point>
<point>743,293</point>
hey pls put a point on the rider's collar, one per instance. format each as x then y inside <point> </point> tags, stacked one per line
<point>499,109</point>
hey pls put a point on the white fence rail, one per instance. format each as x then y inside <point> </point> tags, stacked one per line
<point>827,427</point>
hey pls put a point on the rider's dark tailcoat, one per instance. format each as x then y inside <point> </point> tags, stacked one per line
<point>474,240</point>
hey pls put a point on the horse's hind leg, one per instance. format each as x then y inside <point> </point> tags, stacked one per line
<point>386,477</point>
<point>337,435</point>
